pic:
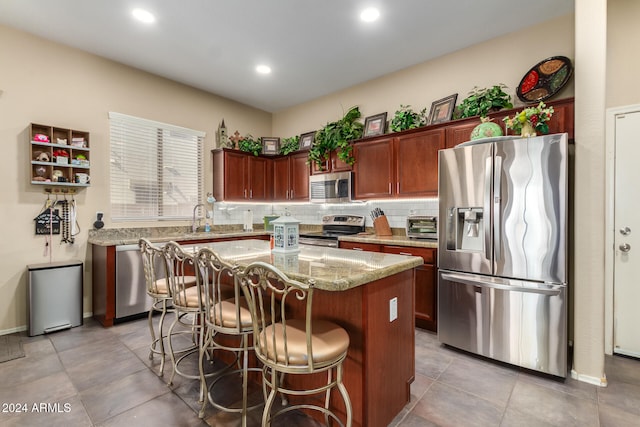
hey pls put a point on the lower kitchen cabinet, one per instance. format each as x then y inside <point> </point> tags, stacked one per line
<point>426,279</point>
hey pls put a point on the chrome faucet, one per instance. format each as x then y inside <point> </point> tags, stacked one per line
<point>194,227</point>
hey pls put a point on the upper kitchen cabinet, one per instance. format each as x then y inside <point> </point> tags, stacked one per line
<point>291,178</point>
<point>240,176</point>
<point>459,131</point>
<point>400,166</point>
<point>59,157</point>
<point>373,177</point>
<point>332,164</point>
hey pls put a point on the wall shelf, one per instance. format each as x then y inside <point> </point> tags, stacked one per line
<point>60,157</point>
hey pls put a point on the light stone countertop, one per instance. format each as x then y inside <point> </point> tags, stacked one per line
<point>131,236</point>
<point>390,240</point>
<point>332,269</point>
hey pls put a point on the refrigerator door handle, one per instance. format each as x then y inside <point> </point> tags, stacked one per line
<point>487,208</point>
<point>497,183</point>
<point>475,281</point>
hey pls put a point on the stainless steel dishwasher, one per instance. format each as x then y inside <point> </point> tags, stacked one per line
<point>131,289</point>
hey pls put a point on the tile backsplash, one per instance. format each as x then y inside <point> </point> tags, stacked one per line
<point>311,213</point>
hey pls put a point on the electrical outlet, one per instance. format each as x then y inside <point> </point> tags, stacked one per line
<point>393,309</point>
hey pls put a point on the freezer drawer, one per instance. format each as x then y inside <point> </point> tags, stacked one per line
<point>518,322</point>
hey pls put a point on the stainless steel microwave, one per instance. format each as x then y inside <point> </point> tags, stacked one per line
<point>330,187</point>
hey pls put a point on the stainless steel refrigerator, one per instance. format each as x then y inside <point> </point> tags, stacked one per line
<point>502,259</point>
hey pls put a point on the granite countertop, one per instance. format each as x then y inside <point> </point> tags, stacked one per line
<point>131,236</point>
<point>332,269</point>
<point>390,240</point>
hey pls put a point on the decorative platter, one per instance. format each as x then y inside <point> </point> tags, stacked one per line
<point>545,79</point>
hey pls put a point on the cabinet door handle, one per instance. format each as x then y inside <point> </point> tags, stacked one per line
<point>357,249</point>
<point>244,193</point>
<point>292,193</point>
<point>398,187</point>
<point>405,253</point>
<point>333,163</point>
<point>287,195</point>
<point>390,186</point>
<point>251,194</point>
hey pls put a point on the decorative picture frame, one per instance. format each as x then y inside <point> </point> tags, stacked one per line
<point>442,109</point>
<point>306,140</point>
<point>270,145</point>
<point>375,125</point>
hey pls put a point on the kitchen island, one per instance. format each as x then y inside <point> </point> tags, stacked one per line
<point>354,289</point>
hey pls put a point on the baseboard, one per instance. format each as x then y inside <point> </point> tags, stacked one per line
<point>13,330</point>
<point>25,327</point>
<point>600,382</point>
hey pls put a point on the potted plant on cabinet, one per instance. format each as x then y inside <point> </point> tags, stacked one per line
<point>405,118</point>
<point>251,145</point>
<point>289,145</point>
<point>337,136</point>
<point>481,101</point>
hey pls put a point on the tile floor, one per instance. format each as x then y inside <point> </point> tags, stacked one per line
<point>95,376</point>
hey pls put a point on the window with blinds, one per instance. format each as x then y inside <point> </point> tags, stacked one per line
<point>156,169</point>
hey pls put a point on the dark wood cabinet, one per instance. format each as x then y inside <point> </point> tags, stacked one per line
<point>426,292</point>
<point>371,247</point>
<point>426,279</point>
<point>240,176</point>
<point>332,164</point>
<point>291,178</point>
<point>459,131</point>
<point>416,163</point>
<point>373,173</point>
<point>399,166</point>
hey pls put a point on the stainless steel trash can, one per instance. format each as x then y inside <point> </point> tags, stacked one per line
<point>55,296</point>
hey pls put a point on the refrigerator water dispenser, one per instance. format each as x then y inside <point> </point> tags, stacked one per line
<point>465,229</point>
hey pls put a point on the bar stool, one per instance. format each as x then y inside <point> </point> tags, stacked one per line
<point>155,274</point>
<point>226,315</point>
<point>187,300</point>
<point>293,346</point>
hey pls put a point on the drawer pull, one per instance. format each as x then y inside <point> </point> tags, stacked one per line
<point>405,253</point>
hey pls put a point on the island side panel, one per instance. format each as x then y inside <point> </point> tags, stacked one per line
<point>390,347</point>
<point>380,362</point>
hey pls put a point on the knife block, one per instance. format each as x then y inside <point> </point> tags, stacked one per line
<point>381,226</point>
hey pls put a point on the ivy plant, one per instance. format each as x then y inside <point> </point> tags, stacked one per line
<point>405,118</point>
<point>289,145</point>
<point>251,145</point>
<point>337,136</point>
<point>481,101</point>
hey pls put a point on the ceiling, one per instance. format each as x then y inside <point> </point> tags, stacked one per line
<point>314,47</point>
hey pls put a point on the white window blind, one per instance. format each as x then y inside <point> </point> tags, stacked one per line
<point>156,169</point>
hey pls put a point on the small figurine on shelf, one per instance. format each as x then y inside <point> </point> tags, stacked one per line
<point>41,156</point>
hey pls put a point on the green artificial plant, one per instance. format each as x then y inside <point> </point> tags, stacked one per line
<point>251,145</point>
<point>289,145</point>
<point>405,118</point>
<point>337,136</point>
<point>481,101</point>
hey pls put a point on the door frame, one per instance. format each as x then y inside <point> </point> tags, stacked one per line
<point>609,238</point>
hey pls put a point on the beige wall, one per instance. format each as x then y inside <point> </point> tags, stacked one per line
<point>46,83</point>
<point>501,60</point>
<point>623,62</point>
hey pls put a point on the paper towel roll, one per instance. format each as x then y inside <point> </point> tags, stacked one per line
<point>248,221</point>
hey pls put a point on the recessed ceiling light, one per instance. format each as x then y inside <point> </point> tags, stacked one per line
<point>370,14</point>
<point>143,16</point>
<point>263,69</point>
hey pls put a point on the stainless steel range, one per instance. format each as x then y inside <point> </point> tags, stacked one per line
<point>333,226</point>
